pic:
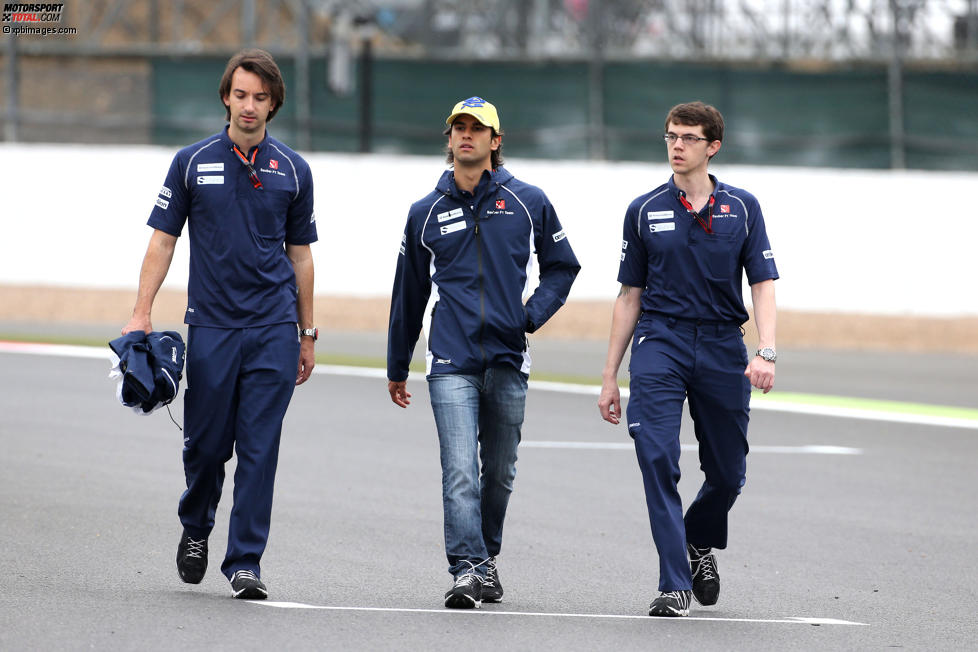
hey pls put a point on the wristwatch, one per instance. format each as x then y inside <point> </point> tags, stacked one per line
<point>768,354</point>
<point>309,332</point>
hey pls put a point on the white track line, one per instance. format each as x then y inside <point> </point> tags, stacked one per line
<point>629,446</point>
<point>791,620</point>
<point>543,385</point>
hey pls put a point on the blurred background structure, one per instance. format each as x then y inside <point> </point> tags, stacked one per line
<point>839,83</point>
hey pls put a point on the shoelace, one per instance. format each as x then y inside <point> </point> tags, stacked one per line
<point>468,579</point>
<point>490,579</point>
<point>706,567</point>
<point>681,596</point>
<point>195,547</point>
<point>245,575</point>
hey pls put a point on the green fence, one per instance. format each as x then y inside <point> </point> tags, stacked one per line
<point>837,117</point>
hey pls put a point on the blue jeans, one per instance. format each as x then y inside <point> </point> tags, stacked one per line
<point>479,417</point>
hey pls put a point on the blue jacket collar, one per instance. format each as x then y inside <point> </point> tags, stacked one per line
<point>498,177</point>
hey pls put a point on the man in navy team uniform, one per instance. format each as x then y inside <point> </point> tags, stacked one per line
<point>685,248</point>
<point>248,200</point>
<point>463,272</point>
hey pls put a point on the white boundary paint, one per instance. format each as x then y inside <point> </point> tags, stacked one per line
<point>790,620</point>
<point>811,449</point>
<point>571,388</point>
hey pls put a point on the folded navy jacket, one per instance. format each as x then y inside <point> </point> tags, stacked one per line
<point>149,367</point>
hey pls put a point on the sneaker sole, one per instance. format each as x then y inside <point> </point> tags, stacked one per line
<point>461,602</point>
<point>191,579</point>
<point>673,613</point>
<point>251,593</point>
<point>706,603</point>
<point>492,600</point>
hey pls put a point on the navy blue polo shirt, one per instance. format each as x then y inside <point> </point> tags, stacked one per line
<point>686,271</point>
<point>240,275</point>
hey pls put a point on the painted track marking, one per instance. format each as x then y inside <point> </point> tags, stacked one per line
<point>628,446</point>
<point>791,620</point>
<point>830,406</point>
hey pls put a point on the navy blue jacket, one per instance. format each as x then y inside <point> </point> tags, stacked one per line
<point>151,366</point>
<point>463,275</point>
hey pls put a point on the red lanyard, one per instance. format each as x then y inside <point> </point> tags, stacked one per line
<point>707,226</point>
<point>252,175</point>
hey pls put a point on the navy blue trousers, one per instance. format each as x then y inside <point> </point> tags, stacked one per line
<point>674,360</point>
<point>239,384</point>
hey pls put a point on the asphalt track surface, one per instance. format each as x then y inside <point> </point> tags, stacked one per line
<point>866,550</point>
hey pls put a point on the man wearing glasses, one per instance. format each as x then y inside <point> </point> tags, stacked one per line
<point>685,247</point>
<point>249,202</point>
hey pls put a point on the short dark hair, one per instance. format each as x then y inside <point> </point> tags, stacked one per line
<point>495,157</point>
<point>262,64</point>
<point>694,114</point>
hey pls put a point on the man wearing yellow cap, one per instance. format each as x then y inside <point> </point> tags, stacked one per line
<point>463,274</point>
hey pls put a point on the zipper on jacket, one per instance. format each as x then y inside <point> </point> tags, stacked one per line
<point>482,289</point>
<point>431,326</point>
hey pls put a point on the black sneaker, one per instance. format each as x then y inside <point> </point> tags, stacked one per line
<point>191,558</point>
<point>466,594</point>
<point>492,589</point>
<point>670,604</point>
<point>706,578</point>
<point>245,585</point>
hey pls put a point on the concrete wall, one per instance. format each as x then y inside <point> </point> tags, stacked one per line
<point>845,240</point>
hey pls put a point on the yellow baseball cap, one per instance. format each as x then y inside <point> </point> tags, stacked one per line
<point>478,108</point>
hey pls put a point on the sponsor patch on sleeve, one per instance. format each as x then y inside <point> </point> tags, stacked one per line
<point>767,253</point>
<point>559,235</point>
<point>162,203</point>
<point>165,192</point>
<point>623,256</point>
<point>624,245</point>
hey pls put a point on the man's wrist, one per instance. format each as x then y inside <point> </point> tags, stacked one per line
<point>309,332</point>
<point>767,353</point>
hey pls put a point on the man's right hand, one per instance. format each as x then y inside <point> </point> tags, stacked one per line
<point>399,393</point>
<point>138,324</point>
<point>609,403</point>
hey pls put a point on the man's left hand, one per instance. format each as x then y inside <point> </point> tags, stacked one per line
<point>761,373</point>
<point>307,359</point>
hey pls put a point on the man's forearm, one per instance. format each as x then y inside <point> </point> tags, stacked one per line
<point>765,313</point>
<point>626,313</point>
<point>156,264</point>
<point>302,264</point>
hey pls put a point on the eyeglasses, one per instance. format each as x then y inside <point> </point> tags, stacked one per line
<point>688,139</point>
